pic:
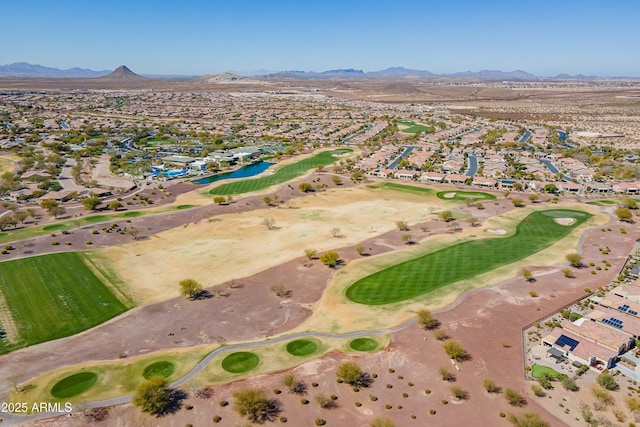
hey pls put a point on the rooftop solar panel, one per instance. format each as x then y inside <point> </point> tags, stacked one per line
<point>564,340</point>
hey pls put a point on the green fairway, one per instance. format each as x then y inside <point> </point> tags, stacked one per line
<point>73,385</point>
<point>54,227</point>
<point>413,127</point>
<point>240,362</point>
<point>281,175</point>
<point>53,296</point>
<point>96,218</point>
<point>162,369</point>
<point>131,214</point>
<point>537,371</point>
<point>464,260</point>
<point>302,347</point>
<point>363,344</point>
<point>463,196</point>
<point>604,202</point>
<point>180,207</point>
<point>406,188</point>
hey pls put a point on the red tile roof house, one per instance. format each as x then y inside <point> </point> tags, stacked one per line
<point>405,174</point>
<point>570,187</point>
<point>484,182</point>
<point>456,178</point>
<point>432,177</point>
<point>627,187</point>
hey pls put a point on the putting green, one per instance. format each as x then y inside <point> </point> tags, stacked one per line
<point>131,214</point>
<point>537,371</point>
<point>54,227</point>
<point>73,385</point>
<point>240,362</point>
<point>302,347</point>
<point>465,195</point>
<point>96,218</point>
<point>464,260</point>
<point>162,369</point>
<point>363,344</point>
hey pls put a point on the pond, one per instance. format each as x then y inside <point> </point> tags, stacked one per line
<point>243,172</point>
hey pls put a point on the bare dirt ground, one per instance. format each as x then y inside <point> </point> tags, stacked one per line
<point>488,322</point>
<point>106,178</point>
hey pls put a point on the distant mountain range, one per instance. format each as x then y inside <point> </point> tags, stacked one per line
<point>23,69</point>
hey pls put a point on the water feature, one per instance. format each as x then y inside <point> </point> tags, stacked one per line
<point>243,172</point>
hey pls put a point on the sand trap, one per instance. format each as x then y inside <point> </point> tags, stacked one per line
<point>565,221</point>
<point>496,231</point>
<point>449,195</point>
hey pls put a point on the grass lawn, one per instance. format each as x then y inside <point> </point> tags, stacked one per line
<point>604,202</point>
<point>464,260</point>
<point>180,207</point>
<point>96,218</point>
<point>162,368</point>
<point>463,196</point>
<point>302,347</point>
<point>240,362</point>
<point>413,189</point>
<point>53,296</point>
<point>412,127</point>
<point>284,174</point>
<point>131,214</point>
<point>53,227</point>
<point>74,384</point>
<point>363,344</point>
<point>538,370</point>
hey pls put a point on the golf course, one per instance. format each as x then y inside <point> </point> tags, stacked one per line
<point>464,260</point>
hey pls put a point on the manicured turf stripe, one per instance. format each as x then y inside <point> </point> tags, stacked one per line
<point>463,260</point>
<point>54,296</point>
<point>283,174</point>
<point>74,385</point>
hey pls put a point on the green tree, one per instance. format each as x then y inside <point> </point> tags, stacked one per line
<point>336,180</point>
<point>454,350</point>
<point>575,259</point>
<point>490,385</point>
<point>534,198</point>
<point>514,397</point>
<point>350,373</point>
<point>402,225</point>
<point>267,200</point>
<point>624,214</point>
<point>607,381</point>
<point>330,259</point>
<point>305,187</point>
<point>218,200</point>
<point>20,216</point>
<point>446,216</point>
<point>190,288</point>
<point>426,319</point>
<point>568,272</point>
<point>115,205</point>
<point>361,250</point>
<point>517,202</point>
<point>253,404</point>
<point>57,211</point>
<point>551,188</point>
<point>527,274</point>
<point>91,203</point>
<point>629,203</point>
<point>310,253</point>
<point>153,396</point>
<point>569,384</point>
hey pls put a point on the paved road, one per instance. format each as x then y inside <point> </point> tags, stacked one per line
<point>525,137</point>
<point>404,154</point>
<point>12,419</point>
<point>473,165</point>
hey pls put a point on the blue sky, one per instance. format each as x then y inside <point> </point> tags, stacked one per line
<point>202,37</point>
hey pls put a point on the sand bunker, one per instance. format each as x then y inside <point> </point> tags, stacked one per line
<point>496,231</point>
<point>449,195</point>
<point>565,221</point>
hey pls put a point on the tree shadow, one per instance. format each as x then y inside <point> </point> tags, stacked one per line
<point>174,404</point>
<point>204,294</point>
